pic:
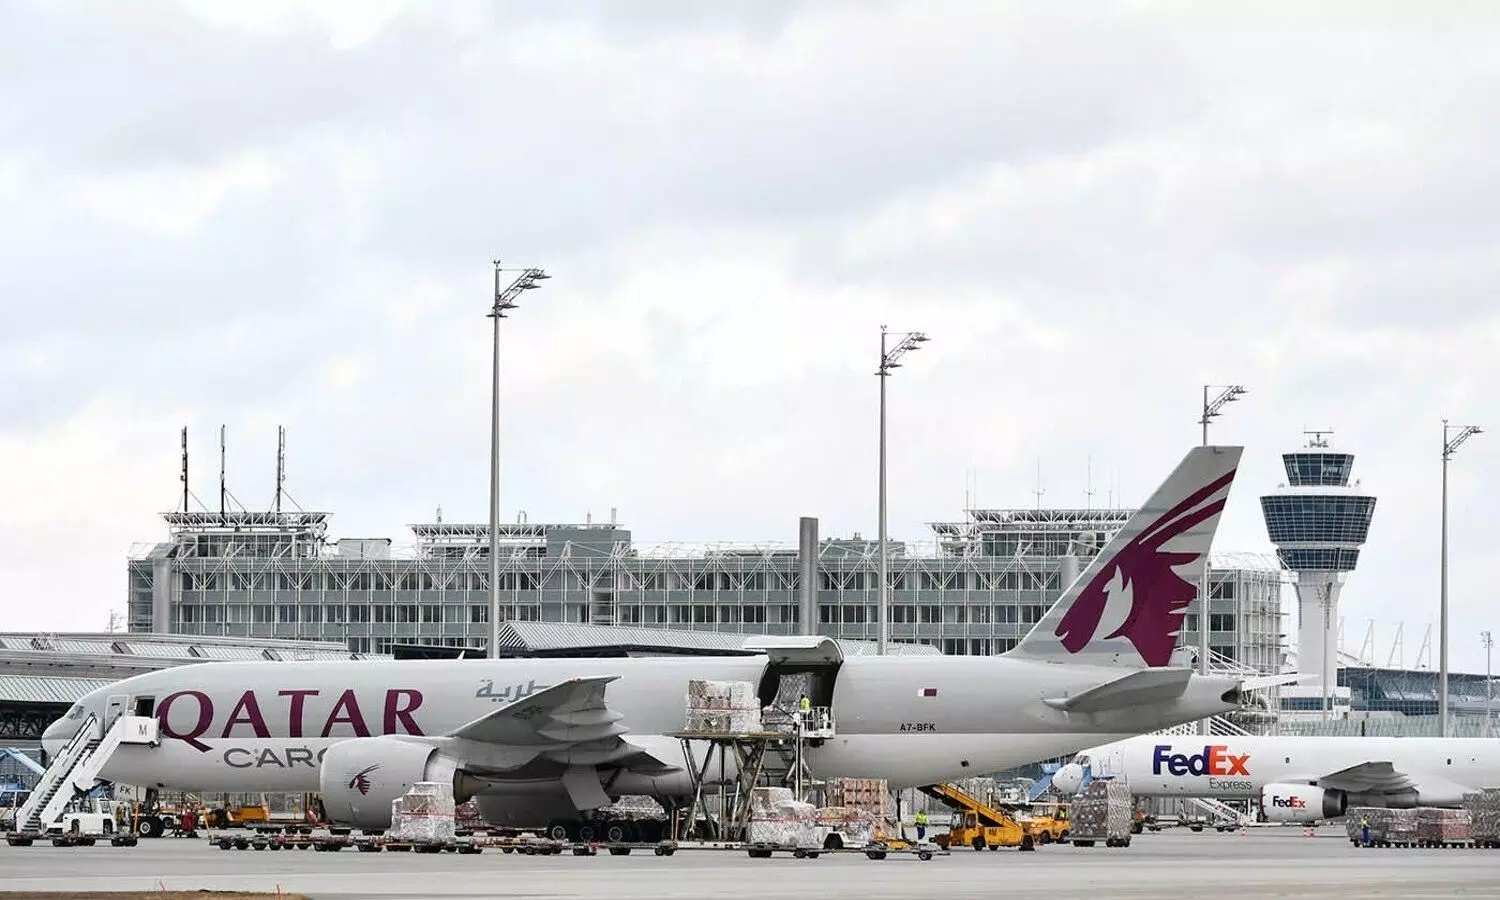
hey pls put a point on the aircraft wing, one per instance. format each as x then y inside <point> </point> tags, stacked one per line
<point>570,712</point>
<point>1377,777</point>
<point>569,723</point>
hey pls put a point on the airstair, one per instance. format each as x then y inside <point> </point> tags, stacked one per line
<point>75,769</point>
<point>1222,813</point>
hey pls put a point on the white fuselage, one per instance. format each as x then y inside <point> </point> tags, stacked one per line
<point>265,726</point>
<point>1230,767</point>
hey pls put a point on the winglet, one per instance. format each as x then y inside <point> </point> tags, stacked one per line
<point>1127,607</point>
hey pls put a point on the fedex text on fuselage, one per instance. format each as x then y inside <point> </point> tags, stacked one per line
<point>1224,770</point>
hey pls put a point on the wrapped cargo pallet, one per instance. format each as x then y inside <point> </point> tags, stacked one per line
<point>1102,813</point>
<point>777,818</point>
<point>466,815</point>
<point>855,827</point>
<point>1484,816</point>
<point>1387,826</point>
<point>872,795</point>
<point>424,813</point>
<point>722,707</point>
<point>1443,826</point>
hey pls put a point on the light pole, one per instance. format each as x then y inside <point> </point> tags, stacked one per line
<point>1450,444</point>
<point>1212,408</point>
<point>1489,681</point>
<point>912,340</point>
<point>504,300</point>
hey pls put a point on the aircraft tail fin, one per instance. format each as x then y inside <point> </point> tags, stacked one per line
<point>1127,607</point>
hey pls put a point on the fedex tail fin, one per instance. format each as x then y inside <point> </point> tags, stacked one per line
<point>1128,605</point>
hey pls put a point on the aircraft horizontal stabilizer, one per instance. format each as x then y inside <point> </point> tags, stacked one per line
<point>569,713</point>
<point>1261,682</point>
<point>1140,687</point>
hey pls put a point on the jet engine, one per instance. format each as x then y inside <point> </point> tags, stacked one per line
<point>1301,803</point>
<point>1068,779</point>
<point>360,777</point>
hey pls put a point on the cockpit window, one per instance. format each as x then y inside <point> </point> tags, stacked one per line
<point>1083,759</point>
<point>76,712</point>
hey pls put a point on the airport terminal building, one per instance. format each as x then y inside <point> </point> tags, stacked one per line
<point>975,588</point>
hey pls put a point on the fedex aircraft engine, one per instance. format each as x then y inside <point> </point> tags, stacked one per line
<point>360,777</point>
<point>1300,803</point>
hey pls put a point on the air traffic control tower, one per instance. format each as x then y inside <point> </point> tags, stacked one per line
<point>1318,522</point>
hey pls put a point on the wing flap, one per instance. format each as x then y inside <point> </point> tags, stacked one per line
<point>1140,687</point>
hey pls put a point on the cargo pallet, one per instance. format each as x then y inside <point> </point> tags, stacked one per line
<point>875,851</point>
<point>27,838</point>
<point>1431,845</point>
<point>275,841</point>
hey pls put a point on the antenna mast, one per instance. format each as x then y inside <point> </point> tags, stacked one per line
<point>223,485</point>
<point>1088,490</point>
<point>280,464</point>
<point>184,475</point>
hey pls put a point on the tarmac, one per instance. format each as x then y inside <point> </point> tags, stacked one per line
<point>1257,863</point>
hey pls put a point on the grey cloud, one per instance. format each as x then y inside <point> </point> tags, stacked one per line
<point>1175,200</point>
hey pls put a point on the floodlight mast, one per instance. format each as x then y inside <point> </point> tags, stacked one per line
<point>1212,409</point>
<point>889,359</point>
<point>1450,444</point>
<point>1489,683</point>
<point>505,300</point>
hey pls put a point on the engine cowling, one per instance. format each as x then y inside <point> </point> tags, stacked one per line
<point>1068,779</point>
<point>360,777</point>
<point>1300,803</point>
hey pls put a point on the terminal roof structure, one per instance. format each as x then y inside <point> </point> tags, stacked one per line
<point>562,639</point>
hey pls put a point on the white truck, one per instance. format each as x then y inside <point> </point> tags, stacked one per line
<point>98,819</point>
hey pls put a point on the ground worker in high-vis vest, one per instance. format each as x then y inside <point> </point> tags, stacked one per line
<point>1364,828</point>
<point>920,819</point>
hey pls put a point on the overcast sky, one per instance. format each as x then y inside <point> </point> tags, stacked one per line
<point>285,213</point>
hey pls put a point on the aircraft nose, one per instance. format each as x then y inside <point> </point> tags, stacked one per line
<point>1068,779</point>
<point>55,738</point>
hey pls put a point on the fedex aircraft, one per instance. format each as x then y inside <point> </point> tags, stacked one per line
<point>1296,779</point>
<point>549,739</point>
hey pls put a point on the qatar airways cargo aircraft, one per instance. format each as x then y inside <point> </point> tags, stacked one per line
<point>1296,779</point>
<point>546,738</point>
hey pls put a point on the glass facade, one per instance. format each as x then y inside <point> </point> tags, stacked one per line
<point>976,590</point>
<point>1318,469</point>
<point>1302,518</point>
<point>1401,702</point>
<point>1319,559</point>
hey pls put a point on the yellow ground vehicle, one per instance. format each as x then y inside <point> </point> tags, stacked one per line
<point>238,816</point>
<point>979,825</point>
<point>1049,821</point>
<point>968,830</point>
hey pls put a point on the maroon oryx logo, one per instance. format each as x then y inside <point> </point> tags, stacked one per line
<point>1143,572</point>
<point>361,782</point>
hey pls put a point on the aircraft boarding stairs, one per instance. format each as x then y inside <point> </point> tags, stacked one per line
<point>74,772</point>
